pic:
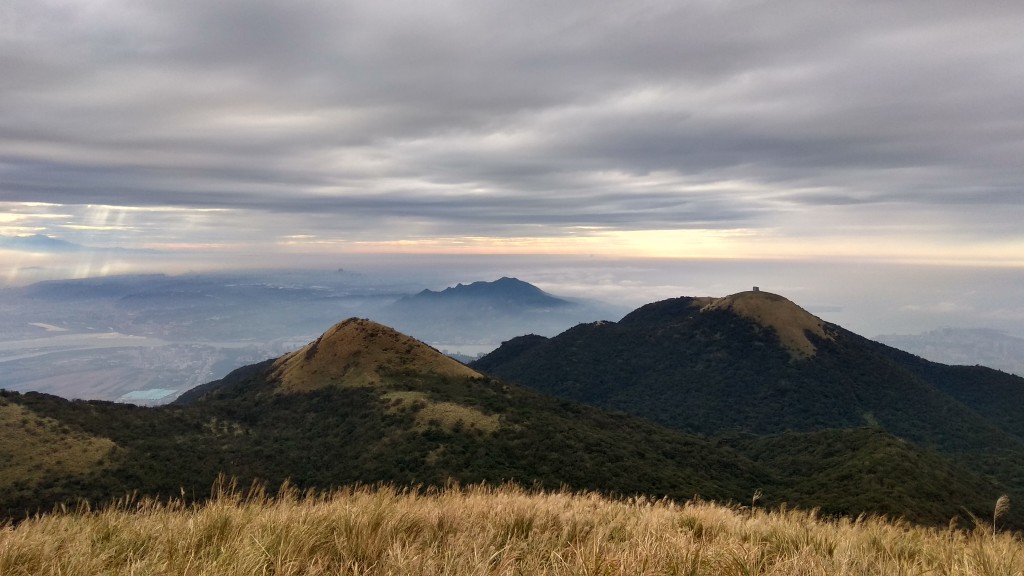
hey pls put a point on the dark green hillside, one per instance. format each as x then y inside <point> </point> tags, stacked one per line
<point>756,363</point>
<point>997,396</point>
<point>155,451</point>
<point>512,349</point>
<point>711,371</point>
<point>535,439</point>
<point>864,469</point>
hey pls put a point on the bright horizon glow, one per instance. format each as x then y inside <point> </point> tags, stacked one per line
<point>130,226</point>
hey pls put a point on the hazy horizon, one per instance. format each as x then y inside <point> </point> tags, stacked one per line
<point>869,298</point>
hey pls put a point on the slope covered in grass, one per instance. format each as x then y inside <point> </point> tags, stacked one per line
<point>35,449</point>
<point>486,531</point>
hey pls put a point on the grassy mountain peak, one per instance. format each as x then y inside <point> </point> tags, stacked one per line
<point>789,321</point>
<point>359,352</point>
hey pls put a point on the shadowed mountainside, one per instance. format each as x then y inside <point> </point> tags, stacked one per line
<point>756,363</point>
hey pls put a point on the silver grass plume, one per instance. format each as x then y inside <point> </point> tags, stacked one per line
<point>1002,507</point>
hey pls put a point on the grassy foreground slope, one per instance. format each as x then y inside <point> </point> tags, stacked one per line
<point>485,531</point>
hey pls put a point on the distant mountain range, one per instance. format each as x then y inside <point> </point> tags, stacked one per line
<point>717,397</point>
<point>489,312</point>
<point>149,337</point>
<point>169,333</point>
<point>964,346</point>
<point>50,244</point>
<point>39,243</point>
<point>512,293</point>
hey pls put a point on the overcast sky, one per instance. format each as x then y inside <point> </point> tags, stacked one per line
<point>877,130</point>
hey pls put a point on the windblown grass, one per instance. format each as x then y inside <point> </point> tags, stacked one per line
<point>483,530</point>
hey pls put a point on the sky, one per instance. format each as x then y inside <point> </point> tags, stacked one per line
<point>262,132</point>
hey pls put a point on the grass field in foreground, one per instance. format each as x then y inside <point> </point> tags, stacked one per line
<point>481,530</point>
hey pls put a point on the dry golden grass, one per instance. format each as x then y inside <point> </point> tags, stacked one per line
<point>360,352</point>
<point>789,321</point>
<point>485,531</point>
<point>34,447</point>
<point>447,414</point>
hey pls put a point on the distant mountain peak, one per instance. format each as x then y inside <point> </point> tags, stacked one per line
<point>359,352</point>
<point>39,243</point>
<point>505,289</point>
<point>790,322</point>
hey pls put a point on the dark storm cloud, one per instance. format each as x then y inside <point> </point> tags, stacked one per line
<point>518,118</point>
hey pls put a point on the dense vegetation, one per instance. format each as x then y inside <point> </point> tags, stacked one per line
<point>487,531</point>
<point>714,372</point>
<point>338,436</point>
<point>341,436</point>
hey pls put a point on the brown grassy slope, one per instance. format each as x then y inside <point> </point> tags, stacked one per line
<point>360,352</point>
<point>34,447</point>
<point>789,321</point>
<point>486,531</point>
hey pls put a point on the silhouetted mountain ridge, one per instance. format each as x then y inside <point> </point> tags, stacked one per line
<point>488,312</point>
<point>509,291</point>
<point>39,243</point>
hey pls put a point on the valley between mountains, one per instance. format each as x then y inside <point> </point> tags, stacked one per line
<point>718,398</point>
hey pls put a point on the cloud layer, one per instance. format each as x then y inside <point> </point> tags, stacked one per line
<point>845,127</point>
